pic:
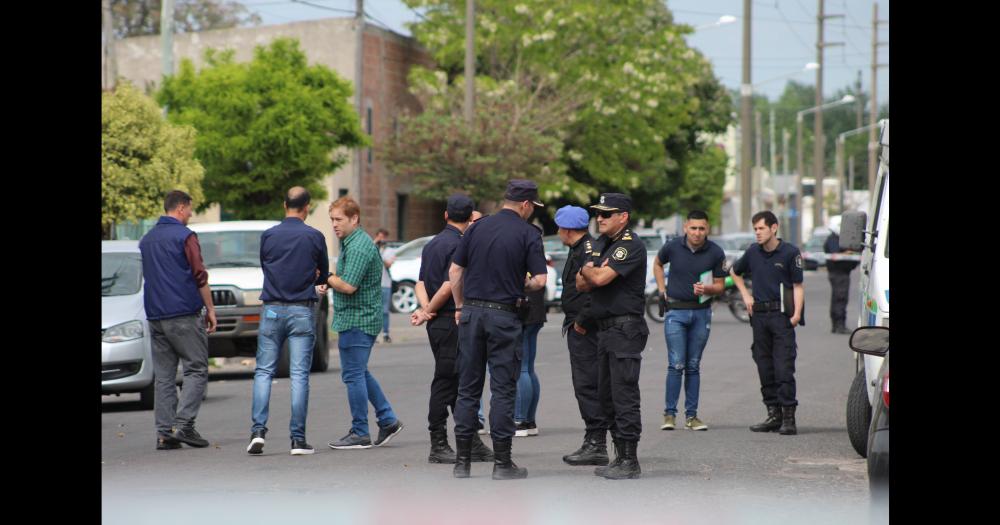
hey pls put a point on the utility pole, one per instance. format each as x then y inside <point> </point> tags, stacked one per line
<point>758,184</point>
<point>470,60</point>
<point>788,185</point>
<point>746,108</point>
<point>110,62</point>
<point>873,116</point>
<point>799,194</point>
<point>772,148</point>
<point>859,104</point>
<point>839,168</point>
<point>818,157</point>
<point>167,37</point>
<point>359,68</point>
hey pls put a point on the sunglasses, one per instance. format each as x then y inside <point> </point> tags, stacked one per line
<point>606,214</point>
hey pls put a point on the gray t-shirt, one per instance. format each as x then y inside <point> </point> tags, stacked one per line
<point>386,278</point>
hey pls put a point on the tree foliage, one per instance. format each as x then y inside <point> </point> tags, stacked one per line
<point>142,17</point>
<point>264,126</point>
<point>142,157</point>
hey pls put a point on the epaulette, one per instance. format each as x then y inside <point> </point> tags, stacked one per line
<point>587,247</point>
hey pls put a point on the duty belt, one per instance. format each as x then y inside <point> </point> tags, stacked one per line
<point>490,304</point>
<point>767,306</point>
<point>674,304</point>
<point>608,322</point>
<point>308,303</point>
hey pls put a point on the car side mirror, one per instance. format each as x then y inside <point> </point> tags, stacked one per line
<point>852,230</point>
<point>870,340</point>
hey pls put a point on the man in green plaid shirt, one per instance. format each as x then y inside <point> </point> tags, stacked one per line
<point>357,317</point>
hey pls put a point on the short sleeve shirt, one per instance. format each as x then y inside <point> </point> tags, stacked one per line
<point>497,252</point>
<point>686,266</point>
<point>359,265</point>
<point>770,270</point>
<point>435,261</point>
<point>624,295</point>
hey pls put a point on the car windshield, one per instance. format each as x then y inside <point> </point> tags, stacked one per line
<point>653,242</point>
<point>121,274</point>
<point>230,249</point>
<point>414,249</point>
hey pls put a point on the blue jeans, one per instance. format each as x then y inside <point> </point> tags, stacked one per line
<point>386,301</point>
<point>355,349</point>
<point>277,325</point>
<point>528,389</point>
<point>687,333</point>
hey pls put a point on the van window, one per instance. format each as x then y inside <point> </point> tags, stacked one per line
<point>887,239</point>
<point>878,201</point>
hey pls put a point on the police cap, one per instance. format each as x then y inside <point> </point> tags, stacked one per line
<point>614,202</point>
<point>520,190</point>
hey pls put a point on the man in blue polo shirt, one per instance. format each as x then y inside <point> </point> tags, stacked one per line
<point>488,278</point>
<point>294,259</point>
<point>776,267</point>
<point>688,321</point>
<point>175,293</point>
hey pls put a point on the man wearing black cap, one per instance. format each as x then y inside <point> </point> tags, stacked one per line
<point>616,279</point>
<point>437,309</point>
<point>488,280</point>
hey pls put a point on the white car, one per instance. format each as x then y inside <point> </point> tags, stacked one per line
<point>126,351</point>
<point>231,251</point>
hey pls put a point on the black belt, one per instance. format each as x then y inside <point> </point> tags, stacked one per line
<point>490,304</point>
<point>686,305</point>
<point>608,322</point>
<point>308,303</point>
<point>767,306</point>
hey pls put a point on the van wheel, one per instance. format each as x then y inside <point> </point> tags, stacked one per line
<point>859,414</point>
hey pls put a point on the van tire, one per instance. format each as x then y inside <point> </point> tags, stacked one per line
<point>859,414</point>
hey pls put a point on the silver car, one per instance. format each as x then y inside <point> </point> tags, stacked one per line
<point>126,352</point>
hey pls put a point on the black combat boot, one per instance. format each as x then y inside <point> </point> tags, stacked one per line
<point>463,457</point>
<point>619,456</point>
<point>772,423</point>
<point>503,466</point>
<point>788,422</point>
<point>480,452</point>
<point>628,468</point>
<point>441,452</point>
<point>594,450</point>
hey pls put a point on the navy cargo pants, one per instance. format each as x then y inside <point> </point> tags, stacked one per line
<point>774,351</point>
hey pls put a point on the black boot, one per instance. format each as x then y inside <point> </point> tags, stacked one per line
<point>503,466</point>
<point>788,422</point>
<point>441,452</point>
<point>594,450</point>
<point>772,423</point>
<point>463,457</point>
<point>628,468</point>
<point>480,452</point>
<point>619,456</point>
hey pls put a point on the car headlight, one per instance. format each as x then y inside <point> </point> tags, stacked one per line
<point>252,298</point>
<point>123,332</point>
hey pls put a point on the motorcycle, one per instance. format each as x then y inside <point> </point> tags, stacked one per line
<point>730,296</point>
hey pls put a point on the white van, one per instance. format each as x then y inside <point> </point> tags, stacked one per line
<point>872,234</point>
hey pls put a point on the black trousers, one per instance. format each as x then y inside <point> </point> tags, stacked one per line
<point>442,332</point>
<point>840,282</point>
<point>495,336</point>
<point>619,354</point>
<point>584,363</point>
<point>774,351</point>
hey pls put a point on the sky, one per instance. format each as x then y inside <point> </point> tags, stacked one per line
<point>783,36</point>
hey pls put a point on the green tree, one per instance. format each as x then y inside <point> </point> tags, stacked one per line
<point>264,126</point>
<point>142,17</point>
<point>142,158</point>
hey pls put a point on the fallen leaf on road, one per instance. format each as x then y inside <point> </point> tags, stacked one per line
<point>121,435</point>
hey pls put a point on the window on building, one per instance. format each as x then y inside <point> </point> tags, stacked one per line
<point>401,209</point>
<point>341,192</point>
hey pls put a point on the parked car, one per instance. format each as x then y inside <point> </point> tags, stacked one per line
<point>874,341</point>
<point>734,244</point>
<point>231,251</point>
<point>126,350</point>
<point>813,255</point>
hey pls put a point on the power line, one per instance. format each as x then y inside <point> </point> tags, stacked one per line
<point>755,18</point>
<point>317,6</point>
<point>792,29</point>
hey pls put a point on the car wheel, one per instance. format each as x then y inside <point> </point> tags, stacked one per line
<point>653,308</point>
<point>859,414</point>
<point>404,299</point>
<point>146,396</point>
<point>321,352</point>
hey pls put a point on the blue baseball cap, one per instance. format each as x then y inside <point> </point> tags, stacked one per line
<point>572,218</point>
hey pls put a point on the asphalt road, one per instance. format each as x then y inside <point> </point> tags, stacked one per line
<point>725,475</point>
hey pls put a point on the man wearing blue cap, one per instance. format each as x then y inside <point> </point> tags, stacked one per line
<point>581,337</point>
<point>488,279</point>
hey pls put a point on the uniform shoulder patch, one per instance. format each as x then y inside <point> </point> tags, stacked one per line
<point>798,261</point>
<point>620,254</point>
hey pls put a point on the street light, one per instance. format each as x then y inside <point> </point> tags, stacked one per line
<point>817,192</point>
<point>808,67</point>
<point>723,20</point>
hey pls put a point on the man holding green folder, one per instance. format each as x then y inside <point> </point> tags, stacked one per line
<point>696,275</point>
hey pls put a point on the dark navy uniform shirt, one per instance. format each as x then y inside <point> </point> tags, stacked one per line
<point>574,302</point>
<point>497,252</point>
<point>626,255</point>
<point>290,254</point>
<point>686,266</point>
<point>435,260</point>
<point>770,270</point>
<point>832,245</point>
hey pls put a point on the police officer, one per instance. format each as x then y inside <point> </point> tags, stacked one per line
<point>839,273</point>
<point>616,278</point>
<point>572,222</point>
<point>437,309</point>
<point>488,281</point>
<point>776,267</point>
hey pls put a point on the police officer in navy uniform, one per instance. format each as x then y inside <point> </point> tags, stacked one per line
<point>488,282</point>
<point>616,279</point>
<point>437,309</point>
<point>776,267</point>
<point>573,222</point>
<point>839,273</point>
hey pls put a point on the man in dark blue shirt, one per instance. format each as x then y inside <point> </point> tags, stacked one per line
<point>838,270</point>
<point>437,309</point>
<point>776,267</point>
<point>693,259</point>
<point>296,266</point>
<point>489,278</point>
